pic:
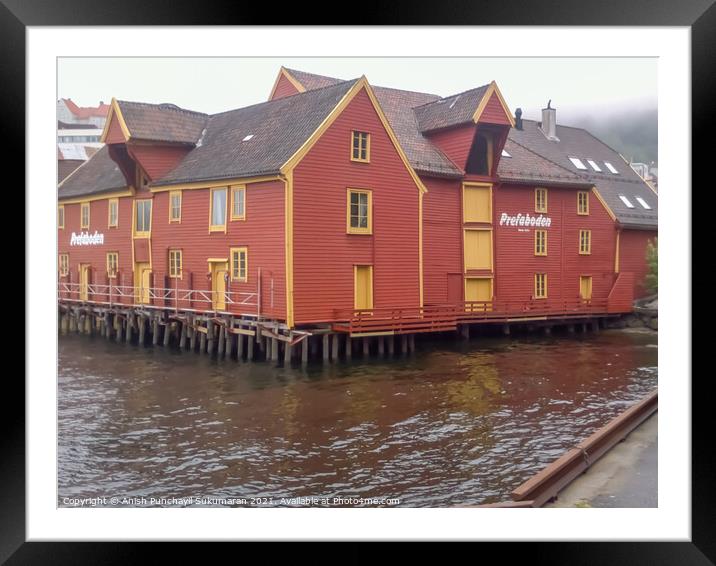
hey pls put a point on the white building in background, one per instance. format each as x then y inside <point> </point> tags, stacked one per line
<point>648,172</point>
<point>69,113</point>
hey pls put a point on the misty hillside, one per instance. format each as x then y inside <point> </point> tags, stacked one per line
<point>634,134</point>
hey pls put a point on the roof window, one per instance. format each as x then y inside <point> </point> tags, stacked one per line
<point>247,138</point>
<point>593,165</point>
<point>578,163</point>
<point>643,203</point>
<point>505,154</point>
<point>626,201</point>
<point>611,167</point>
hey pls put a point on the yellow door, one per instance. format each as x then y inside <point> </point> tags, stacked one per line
<point>478,249</point>
<point>585,287</point>
<point>219,271</point>
<point>477,203</point>
<point>478,289</point>
<point>363,291</point>
<point>142,282</point>
<point>84,282</point>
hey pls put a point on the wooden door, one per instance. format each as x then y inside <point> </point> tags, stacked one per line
<point>142,282</point>
<point>585,287</point>
<point>478,249</point>
<point>219,272</point>
<point>363,287</point>
<point>84,282</point>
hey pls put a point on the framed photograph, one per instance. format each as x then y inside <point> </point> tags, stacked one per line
<point>404,287</point>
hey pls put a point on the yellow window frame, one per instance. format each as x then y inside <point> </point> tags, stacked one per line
<point>142,233</point>
<point>112,262</point>
<point>84,206</point>
<point>540,191</point>
<point>363,139</point>
<point>234,191</point>
<point>235,264</point>
<point>583,199</point>
<point>64,261</point>
<point>540,290</point>
<point>174,219</point>
<point>369,223</point>
<point>585,242</point>
<point>541,242</point>
<point>110,203</point>
<point>218,227</point>
<point>176,264</point>
<point>61,216</point>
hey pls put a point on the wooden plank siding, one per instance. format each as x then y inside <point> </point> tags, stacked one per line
<point>632,257</point>
<point>442,237</point>
<point>324,254</point>
<point>455,143</point>
<point>515,259</point>
<point>494,113</point>
<point>158,160</point>
<point>283,88</point>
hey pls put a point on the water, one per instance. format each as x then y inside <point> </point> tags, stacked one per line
<point>457,424</point>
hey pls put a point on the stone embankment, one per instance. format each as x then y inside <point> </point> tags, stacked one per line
<point>645,315</point>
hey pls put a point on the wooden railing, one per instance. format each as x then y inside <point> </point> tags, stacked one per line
<point>195,300</point>
<point>447,317</point>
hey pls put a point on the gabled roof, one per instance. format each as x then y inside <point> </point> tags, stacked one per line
<point>577,142</point>
<point>278,128</point>
<point>99,174</point>
<point>99,111</point>
<point>160,122</point>
<point>309,81</point>
<point>451,111</point>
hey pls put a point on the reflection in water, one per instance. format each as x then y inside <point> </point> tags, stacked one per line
<point>459,423</point>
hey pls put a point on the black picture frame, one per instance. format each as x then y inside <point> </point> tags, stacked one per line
<point>699,15</point>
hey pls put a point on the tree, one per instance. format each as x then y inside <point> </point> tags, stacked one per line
<point>652,261</point>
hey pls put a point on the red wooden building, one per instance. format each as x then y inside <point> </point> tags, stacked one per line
<point>361,209</point>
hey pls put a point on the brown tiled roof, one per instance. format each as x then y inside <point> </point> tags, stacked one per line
<point>162,122</point>
<point>451,111</point>
<point>577,142</point>
<point>66,166</point>
<point>311,81</point>
<point>525,166</point>
<point>278,129</point>
<point>97,175</point>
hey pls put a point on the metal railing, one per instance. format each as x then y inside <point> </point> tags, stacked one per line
<point>177,299</point>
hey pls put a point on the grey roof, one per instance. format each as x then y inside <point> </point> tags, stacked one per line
<point>450,111</point>
<point>311,81</point>
<point>577,142</point>
<point>278,129</point>
<point>162,122</point>
<point>99,174</point>
<point>525,166</point>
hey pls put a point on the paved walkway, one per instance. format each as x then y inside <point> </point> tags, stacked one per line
<point>625,477</point>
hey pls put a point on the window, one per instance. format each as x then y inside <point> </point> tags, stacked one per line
<point>505,154</point>
<point>626,201</point>
<point>578,163</point>
<point>112,212</point>
<point>217,214</point>
<point>360,148</point>
<point>540,200</point>
<point>583,203</point>
<point>85,215</point>
<point>238,203</point>
<point>175,206</point>
<point>611,167</point>
<point>585,242</point>
<point>479,160</point>
<point>64,265</point>
<point>143,218</point>
<point>360,203</point>
<point>175,264</point>
<point>540,285</point>
<point>239,264</point>
<point>61,216</point>
<point>112,263</point>
<point>593,165</point>
<point>643,203</point>
<point>540,242</point>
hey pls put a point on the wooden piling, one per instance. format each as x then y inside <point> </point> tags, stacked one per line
<point>250,347</point>
<point>506,329</point>
<point>210,342</point>
<point>391,345</point>
<point>239,345</point>
<point>230,340</point>
<point>366,347</point>
<point>64,324</point>
<point>155,330</point>
<point>221,346</point>
<point>120,328</point>
<point>326,348</point>
<point>547,329</point>
<point>349,347</point>
<point>192,335</point>
<point>142,322</point>
<point>274,349</point>
<point>465,331</point>
<point>334,347</point>
<point>304,351</point>
<point>287,352</point>
<point>182,335</point>
<point>167,332</point>
<point>411,343</point>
